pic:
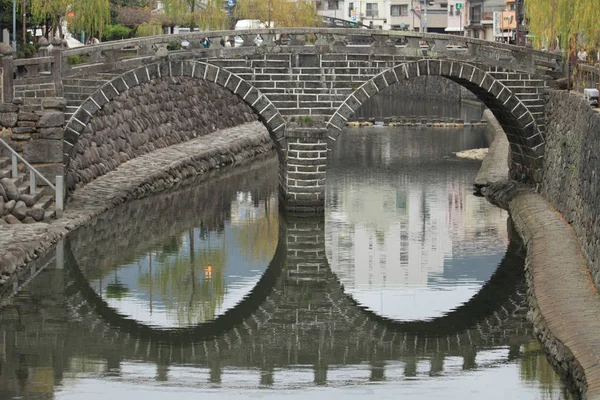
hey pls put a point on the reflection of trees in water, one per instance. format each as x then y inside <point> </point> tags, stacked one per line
<point>535,368</point>
<point>257,236</point>
<point>188,271</point>
<point>190,283</point>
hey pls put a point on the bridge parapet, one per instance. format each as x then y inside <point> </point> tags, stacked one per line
<point>127,54</point>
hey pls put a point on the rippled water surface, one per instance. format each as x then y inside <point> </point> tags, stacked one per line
<point>409,287</point>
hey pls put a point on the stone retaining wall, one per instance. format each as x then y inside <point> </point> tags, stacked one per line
<point>152,116</point>
<point>571,179</point>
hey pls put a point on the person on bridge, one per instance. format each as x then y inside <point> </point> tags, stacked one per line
<point>205,42</point>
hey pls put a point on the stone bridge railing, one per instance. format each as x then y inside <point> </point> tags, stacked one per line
<point>586,76</point>
<point>127,54</point>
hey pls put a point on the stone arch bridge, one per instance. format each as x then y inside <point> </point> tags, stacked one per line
<point>324,74</point>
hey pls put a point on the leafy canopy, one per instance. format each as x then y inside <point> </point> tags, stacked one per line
<point>566,23</point>
<point>282,13</point>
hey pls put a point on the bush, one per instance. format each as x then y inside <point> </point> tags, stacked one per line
<point>74,60</point>
<point>174,45</point>
<point>116,32</point>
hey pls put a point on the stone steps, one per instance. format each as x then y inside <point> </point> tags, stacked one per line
<point>77,90</point>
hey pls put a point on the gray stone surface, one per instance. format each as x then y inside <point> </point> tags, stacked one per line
<point>43,151</point>
<point>494,167</point>
<point>8,120</point>
<point>12,220</point>
<point>571,180</point>
<point>150,117</point>
<point>8,206</point>
<point>49,133</point>
<point>12,193</point>
<point>19,210</point>
<point>51,119</point>
<point>56,103</point>
<point>36,212</point>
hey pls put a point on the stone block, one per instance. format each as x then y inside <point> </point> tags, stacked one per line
<point>43,151</point>
<point>29,124</point>
<point>51,119</point>
<point>8,108</point>
<point>48,133</point>
<point>28,116</point>
<point>55,103</point>
<point>12,193</point>
<point>8,119</point>
<point>21,130</point>
<point>130,79</point>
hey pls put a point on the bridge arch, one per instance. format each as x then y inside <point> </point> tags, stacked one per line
<point>279,290</point>
<point>257,101</point>
<point>525,137</point>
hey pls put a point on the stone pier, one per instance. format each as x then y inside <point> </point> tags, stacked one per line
<point>302,173</point>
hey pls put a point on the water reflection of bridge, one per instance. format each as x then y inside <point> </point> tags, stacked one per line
<point>298,313</point>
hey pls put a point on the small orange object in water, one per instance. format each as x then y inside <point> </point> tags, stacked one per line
<point>208,272</point>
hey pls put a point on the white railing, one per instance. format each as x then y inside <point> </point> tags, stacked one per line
<point>58,189</point>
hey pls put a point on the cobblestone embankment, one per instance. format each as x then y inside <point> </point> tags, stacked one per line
<point>135,179</point>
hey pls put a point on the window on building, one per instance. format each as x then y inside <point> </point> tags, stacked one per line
<point>350,8</point>
<point>372,11</point>
<point>475,14</point>
<point>333,5</point>
<point>399,10</point>
<point>451,12</point>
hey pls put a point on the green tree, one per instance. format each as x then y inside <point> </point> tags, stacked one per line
<point>54,11</point>
<point>90,16</point>
<point>192,13</point>
<point>281,13</point>
<point>568,24</point>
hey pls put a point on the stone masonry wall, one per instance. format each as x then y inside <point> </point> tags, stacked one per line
<point>571,164</point>
<point>151,116</point>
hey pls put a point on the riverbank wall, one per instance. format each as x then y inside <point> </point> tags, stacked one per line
<point>571,179</point>
<point>558,222</point>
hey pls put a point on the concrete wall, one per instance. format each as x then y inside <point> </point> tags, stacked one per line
<point>571,168</point>
<point>152,116</point>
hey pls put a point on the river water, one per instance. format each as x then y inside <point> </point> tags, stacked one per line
<point>410,286</point>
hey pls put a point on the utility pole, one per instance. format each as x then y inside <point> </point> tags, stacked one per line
<point>24,21</point>
<point>520,34</point>
<point>14,32</point>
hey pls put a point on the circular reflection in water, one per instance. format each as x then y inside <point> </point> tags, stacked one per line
<point>404,233</point>
<point>183,258</point>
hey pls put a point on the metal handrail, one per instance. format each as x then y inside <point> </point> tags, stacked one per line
<point>58,189</point>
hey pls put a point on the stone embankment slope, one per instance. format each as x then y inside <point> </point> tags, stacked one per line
<point>564,302</point>
<point>136,178</point>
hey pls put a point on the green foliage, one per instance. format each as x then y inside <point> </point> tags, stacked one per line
<point>305,119</point>
<point>282,13</point>
<point>208,15</point>
<point>74,60</point>
<point>154,27</point>
<point>26,50</point>
<point>174,45</point>
<point>116,32</point>
<point>569,24</point>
